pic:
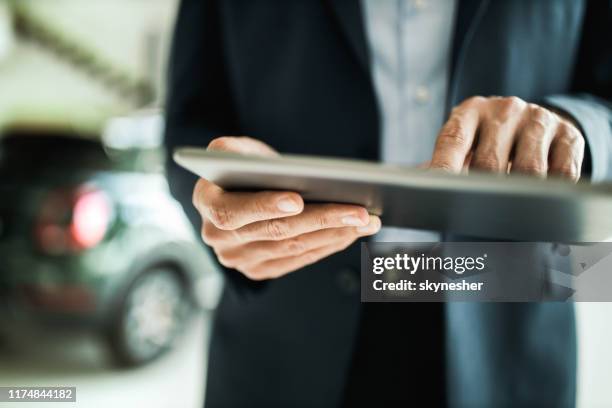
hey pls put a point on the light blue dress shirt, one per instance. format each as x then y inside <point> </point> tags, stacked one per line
<point>410,46</point>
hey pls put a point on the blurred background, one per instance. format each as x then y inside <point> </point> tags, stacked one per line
<point>103,284</point>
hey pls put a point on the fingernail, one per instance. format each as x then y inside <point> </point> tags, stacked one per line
<point>352,220</point>
<point>288,206</point>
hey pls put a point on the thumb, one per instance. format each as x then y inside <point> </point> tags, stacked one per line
<point>241,144</point>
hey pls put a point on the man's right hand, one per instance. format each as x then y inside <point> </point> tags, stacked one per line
<point>268,234</point>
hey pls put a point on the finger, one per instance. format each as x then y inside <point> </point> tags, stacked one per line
<point>456,137</point>
<point>232,210</point>
<point>567,153</point>
<point>496,136</point>
<point>260,251</point>
<point>241,144</point>
<point>533,142</point>
<point>279,267</point>
<point>314,217</point>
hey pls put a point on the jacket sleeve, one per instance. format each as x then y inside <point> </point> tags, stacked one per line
<point>590,100</point>
<point>199,106</point>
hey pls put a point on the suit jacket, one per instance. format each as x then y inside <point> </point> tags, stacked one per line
<point>295,74</point>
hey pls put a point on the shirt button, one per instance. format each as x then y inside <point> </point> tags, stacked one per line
<point>421,94</point>
<point>419,4</point>
<point>348,281</point>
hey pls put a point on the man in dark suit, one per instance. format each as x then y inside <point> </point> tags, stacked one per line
<point>295,76</point>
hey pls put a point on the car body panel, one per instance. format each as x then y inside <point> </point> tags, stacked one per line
<point>147,228</point>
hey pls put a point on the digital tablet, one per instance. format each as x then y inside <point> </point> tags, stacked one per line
<point>476,205</point>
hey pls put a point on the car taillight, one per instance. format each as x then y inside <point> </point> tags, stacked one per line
<point>90,217</point>
<point>70,221</point>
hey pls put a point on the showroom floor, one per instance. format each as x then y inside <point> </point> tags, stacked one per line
<point>176,380</point>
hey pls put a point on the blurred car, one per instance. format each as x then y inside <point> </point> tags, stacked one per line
<point>91,238</point>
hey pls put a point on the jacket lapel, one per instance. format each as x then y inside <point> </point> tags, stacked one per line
<point>469,13</point>
<point>350,18</point>
<point>351,21</point>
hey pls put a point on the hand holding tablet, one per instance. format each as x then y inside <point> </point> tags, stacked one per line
<point>266,234</point>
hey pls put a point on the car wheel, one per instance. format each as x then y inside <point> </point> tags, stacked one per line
<point>151,315</point>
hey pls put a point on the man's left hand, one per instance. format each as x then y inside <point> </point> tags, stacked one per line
<point>507,134</point>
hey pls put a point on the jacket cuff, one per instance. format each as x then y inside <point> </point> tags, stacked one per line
<point>594,118</point>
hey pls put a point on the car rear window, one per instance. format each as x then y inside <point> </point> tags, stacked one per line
<point>51,151</point>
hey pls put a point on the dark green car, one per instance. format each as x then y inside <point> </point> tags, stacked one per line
<point>94,240</point>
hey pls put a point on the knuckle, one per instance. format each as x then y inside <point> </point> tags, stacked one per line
<point>532,167</point>
<point>534,108</point>
<point>211,235</point>
<point>535,128</point>
<point>495,124</point>
<point>224,259</point>
<point>566,140</point>
<point>512,102</point>
<point>569,134</point>
<point>220,215</point>
<point>568,171</point>
<point>540,118</point>
<point>254,273</point>
<point>442,165</point>
<point>533,137</point>
<point>474,100</point>
<point>276,229</point>
<point>486,162</point>
<point>508,107</point>
<point>295,246</point>
<point>545,115</point>
<point>454,134</point>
